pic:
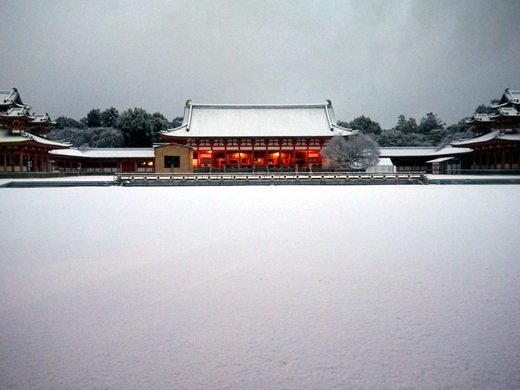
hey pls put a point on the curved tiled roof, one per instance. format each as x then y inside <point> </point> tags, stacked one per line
<point>241,120</point>
<point>480,118</point>
<point>9,98</point>
<point>494,135</point>
<point>7,137</point>
<point>508,98</point>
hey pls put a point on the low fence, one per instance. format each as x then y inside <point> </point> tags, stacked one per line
<point>279,178</point>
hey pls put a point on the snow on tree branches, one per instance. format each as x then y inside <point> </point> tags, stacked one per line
<point>359,151</point>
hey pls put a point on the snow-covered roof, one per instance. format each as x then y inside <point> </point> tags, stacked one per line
<point>480,118</point>
<point>7,137</point>
<point>440,159</point>
<point>406,151</point>
<point>483,138</point>
<point>241,120</point>
<point>506,111</point>
<point>509,97</point>
<point>509,137</point>
<point>449,150</point>
<point>42,118</point>
<point>496,134</point>
<point>16,112</point>
<point>421,151</point>
<point>385,161</point>
<point>106,152</point>
<point>10,97</point>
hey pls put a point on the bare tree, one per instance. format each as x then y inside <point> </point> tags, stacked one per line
<point>359,151</point>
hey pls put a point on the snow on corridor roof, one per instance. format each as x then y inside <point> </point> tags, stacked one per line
<point>106,153</point>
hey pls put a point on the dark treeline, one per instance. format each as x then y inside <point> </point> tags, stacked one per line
<point>111,129</point>
<point>137,128</point>
<point>430,131</point>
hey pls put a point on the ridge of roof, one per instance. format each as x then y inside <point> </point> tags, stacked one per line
<point>483,138</point>
<point>7,137</point>
<point>508,97</point>
<point>305,105</point>
<point>11,96</point>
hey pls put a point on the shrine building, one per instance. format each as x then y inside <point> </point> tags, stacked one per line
<point>497,145</point>
<point>23,143</point>
<point>249,136</point>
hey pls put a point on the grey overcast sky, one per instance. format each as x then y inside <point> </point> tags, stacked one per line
<point>378,58</point>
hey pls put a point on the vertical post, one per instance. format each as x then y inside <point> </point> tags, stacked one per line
<point>197,142</point>
<point>307,142</point>
<point>280,142</point>
<point>212,152</point>
<point>239,141</point>
<point>293,158</point>
<point>320,159</point>
<point>225,153</point>
<point>266,153</point>
<point>253,154</point>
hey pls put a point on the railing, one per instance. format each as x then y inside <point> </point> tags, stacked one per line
<point>266,178</point>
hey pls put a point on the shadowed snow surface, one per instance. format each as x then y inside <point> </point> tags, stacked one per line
<point>260,287</point>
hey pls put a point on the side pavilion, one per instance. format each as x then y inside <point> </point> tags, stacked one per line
<point>248,136</point>
<point>23,143</point>
<point>497,145</point>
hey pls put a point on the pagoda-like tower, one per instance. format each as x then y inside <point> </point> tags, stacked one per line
<point>497,145</point>
<point>23,143</point>
<point>507,114</point>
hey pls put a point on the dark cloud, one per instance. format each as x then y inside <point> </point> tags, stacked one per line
<point>375,58</point>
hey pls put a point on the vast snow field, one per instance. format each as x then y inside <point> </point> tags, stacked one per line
<point>362,287</point>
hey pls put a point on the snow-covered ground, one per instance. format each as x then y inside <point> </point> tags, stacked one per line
<point>295,287</point>
<point>67,178</point>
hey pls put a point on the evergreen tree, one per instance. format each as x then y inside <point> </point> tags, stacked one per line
<point>109,117</point>
<point>178,122</point>
<point>365,125</point>
<point>92,137</point>
<point>93,118</point>
<point>406,126</point>
<point>429,123</point>
<point>63,122</point>
<point>136,125</point>
<point>159,123</point>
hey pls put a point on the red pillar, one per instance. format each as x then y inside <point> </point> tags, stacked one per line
<point>280,142</point>
<point>293,158</point>
<point>197,142</point>
<point>211,142</point>
<point>239,141</point>
<point>266,152</point>
<point>253,153</point>
<point>307,142</point>
<point>225,152</point>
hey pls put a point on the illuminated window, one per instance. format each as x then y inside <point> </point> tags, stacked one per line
<point>172,161</point>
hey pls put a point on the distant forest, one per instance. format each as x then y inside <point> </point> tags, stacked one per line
<point>429,131</point>
<point>137,128</point>
<point>111,129</point>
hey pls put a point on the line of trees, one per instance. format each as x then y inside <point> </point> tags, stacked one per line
<point>430,131</point>
<point>138,128</point>
<point>111,129</point>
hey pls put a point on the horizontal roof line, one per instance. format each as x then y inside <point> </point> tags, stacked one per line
<point>261,105</point>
